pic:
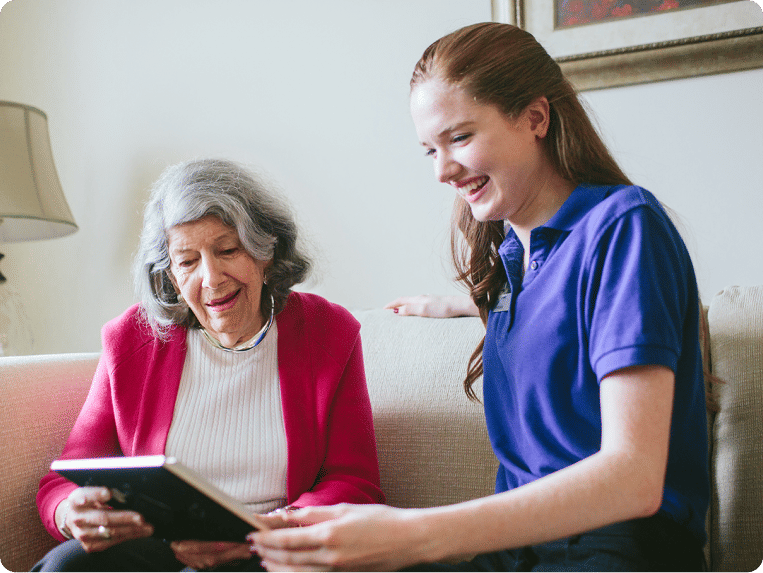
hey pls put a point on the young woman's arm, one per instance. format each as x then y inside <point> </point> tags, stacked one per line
<point>623,481</point>
<point>434,306</point>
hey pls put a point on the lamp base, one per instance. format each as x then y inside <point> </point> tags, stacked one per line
<point>16,336</point>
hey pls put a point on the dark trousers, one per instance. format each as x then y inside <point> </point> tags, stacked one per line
<point>147,554</point>
<point>651,544</point>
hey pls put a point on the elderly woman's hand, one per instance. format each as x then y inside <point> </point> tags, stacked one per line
<point>87,517</point>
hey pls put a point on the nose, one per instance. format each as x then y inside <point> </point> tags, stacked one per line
<point>445,168</point>
<point>212,275</point>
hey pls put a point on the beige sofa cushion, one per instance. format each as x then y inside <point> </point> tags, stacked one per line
<point>43,402</point>
<point>736,353</point>
<point>415,367</point>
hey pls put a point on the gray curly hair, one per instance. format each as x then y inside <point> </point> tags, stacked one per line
<point>189,191</point>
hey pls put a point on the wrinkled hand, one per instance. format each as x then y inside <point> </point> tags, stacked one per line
<point>207,554</point>
<point>342,537</point>
<point>97,526</point>
<point>434,306</point>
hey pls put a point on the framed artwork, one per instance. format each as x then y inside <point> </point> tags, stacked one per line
<point>608,43</point>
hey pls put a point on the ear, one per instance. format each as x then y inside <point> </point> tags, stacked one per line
<point>539,115</point>
<point>264,268</point>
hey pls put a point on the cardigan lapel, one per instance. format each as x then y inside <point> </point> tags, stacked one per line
<point>295,370</point>
<point>160,392</point>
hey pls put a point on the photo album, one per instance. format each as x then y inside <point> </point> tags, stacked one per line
<point>178,502</point>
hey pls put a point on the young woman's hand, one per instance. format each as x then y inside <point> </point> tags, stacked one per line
<point>434,306</point>
<point>86,516</point>
<point>208,554</point>
<point>341,537</point>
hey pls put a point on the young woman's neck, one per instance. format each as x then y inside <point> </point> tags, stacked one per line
<point>553,192</point>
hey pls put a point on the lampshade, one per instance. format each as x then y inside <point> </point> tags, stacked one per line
<point>32,203</point>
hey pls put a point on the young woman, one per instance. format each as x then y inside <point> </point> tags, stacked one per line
<point>592,375</point>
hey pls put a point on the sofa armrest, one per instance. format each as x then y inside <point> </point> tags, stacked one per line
<point>736,353</point>
<point>40,397</point>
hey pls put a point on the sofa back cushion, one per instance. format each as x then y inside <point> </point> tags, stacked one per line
<point>432,441</point>
<point>736,353</point>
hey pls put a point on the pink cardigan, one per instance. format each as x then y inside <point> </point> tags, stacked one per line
<point>327,413</point>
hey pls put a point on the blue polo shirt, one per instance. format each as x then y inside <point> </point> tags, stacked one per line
<point>610,285</point>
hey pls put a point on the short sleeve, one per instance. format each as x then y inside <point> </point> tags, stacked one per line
<point>637,292</point>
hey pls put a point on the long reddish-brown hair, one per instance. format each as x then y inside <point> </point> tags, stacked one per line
<point>502,65</point>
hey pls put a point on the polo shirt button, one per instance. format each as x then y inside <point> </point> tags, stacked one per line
<point>534,265</point>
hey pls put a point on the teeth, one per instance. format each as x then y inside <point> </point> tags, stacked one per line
<point>468,188</point>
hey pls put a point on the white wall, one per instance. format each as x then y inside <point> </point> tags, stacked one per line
<point>698,145</point>
<point>314,93</point>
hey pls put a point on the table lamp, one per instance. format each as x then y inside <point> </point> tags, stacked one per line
<point>32,203</point>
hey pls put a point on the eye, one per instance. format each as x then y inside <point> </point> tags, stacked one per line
<point>430,152</point>
<point>229,252</point>
<point>185,263</point>
<point>461,138</point>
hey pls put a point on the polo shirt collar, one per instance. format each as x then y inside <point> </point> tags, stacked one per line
<point>582,199</point>
<point>580,202</point>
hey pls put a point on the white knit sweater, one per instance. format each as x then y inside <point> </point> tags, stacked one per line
<point>228,421</point>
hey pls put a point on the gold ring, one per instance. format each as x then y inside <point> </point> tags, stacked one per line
<point>104,532</point>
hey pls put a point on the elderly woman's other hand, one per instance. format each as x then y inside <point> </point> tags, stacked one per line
<point>86,516</point>
<point>208,554</point>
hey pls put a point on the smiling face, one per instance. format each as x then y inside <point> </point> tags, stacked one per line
<point>219,280</point>
<point>496,163</point>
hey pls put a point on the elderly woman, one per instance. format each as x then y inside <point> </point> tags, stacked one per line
<point>258,388</point>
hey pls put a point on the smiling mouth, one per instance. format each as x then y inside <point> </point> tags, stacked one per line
<point>472,186</point>
<point>223,302</point>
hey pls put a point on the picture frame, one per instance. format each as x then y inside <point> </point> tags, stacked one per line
<point>653,47</point>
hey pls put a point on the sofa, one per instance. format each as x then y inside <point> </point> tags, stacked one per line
<point>432,442</point>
